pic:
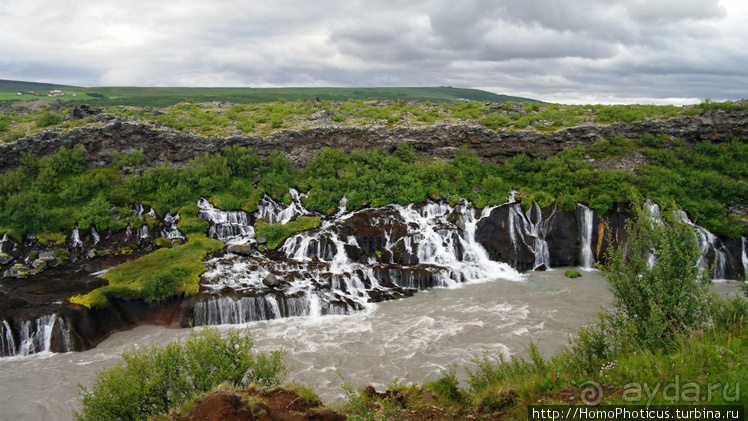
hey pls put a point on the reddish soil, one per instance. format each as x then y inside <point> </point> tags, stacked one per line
<point>257,405</point>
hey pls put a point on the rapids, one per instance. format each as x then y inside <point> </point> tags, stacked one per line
<point>412,339</point>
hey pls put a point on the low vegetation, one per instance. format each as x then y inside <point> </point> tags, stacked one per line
<point>275,234</point>
<point>156,277</point>
<point>261,118</point>
<point>153,380</point>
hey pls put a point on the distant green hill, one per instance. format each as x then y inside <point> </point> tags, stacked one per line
<point>161,97</point>
<point>21,86</point>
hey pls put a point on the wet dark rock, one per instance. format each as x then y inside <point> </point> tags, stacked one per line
<point>271,281</point>
<point>6,259</point>
<point>541,268</point>
<point>241,249</point>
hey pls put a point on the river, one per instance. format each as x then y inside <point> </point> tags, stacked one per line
<point>412,339</point>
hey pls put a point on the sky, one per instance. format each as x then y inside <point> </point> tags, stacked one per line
<point>566,51</point>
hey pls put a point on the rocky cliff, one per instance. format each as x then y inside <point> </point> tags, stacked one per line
<point>439,140</point>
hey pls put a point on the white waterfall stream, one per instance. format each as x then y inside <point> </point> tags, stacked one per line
<point>33,336</point>
<point>530,229</point>
<point>232,227</point>
<point>586,258</point>
<point>744,258</point>
<point>75,238</point>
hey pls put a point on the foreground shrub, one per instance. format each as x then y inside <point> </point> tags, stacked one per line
<point>658,289</point>
<point>151,381</point>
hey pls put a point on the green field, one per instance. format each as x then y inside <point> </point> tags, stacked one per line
<point>163,97</point>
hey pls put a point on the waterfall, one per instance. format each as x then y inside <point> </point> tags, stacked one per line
<point>325,271</point>
<point>3,243</point>
<point>744,258</point>
<point>709,244</point>
<point>342,205</point>
<point>34,336</point>
<point>7,342</point>
<point>95,235</point>
<point>274,212</point>
<point>229,226</point>
<point>170,229</point>
<point>75,238</point>
<point>530,229</point>
<point>585,221</point>
<point>653,209</point>
<point>144,232</point>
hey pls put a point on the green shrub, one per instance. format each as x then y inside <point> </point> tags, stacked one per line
<point>658,289</point>
<point>47,119</point>
<point>152,380</point>
<point>448,387</point>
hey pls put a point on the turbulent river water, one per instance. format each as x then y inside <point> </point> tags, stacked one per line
<point>412,339</point>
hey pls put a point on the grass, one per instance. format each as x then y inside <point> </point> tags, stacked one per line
<point>129,279</point>
<point>163,96</point>
<point>277,233</point>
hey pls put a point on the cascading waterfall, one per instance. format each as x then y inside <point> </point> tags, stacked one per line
<point>75,238</point>
<point>319,277</point>
<point>95,235</point>
<point>170,229</point>
<point>232,227</point>
<point>529,228</point>
<point>4,242</point>
<point>7,342</point>
<point>708,243</point>
<point>34,336</point>
<point>585,217</point>
<point>274,212</point>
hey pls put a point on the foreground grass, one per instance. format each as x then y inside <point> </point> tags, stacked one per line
<point>156,276</point>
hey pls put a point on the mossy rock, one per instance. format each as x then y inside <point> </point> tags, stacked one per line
<point>61,254</point>
<point>163,242</point>
<point>571,273</point>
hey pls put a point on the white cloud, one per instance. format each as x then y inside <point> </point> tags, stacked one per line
<point>559,50</point>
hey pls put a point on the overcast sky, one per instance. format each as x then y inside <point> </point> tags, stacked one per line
<point>569,51</point>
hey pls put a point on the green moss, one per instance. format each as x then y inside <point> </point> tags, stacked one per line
<point>63,254</point>
<point>571,273</point>
<point>277,233</point>
<point>163,242</point>
<point>57,238</point>
<point>129,279</point>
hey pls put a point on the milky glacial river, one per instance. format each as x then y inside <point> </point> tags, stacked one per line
<point>412,339</point>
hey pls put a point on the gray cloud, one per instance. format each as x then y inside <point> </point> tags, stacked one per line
<point>567,51</point>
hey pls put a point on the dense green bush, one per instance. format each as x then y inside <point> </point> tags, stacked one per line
<point>150,381</point>
<point>658,289</point>
<point>54,193</point>
<point>163,285</point>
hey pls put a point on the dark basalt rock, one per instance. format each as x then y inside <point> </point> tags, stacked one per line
<point>271,281</point>
<point>438,140</point>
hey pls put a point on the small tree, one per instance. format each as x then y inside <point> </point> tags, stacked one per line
<point>658,289</point>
